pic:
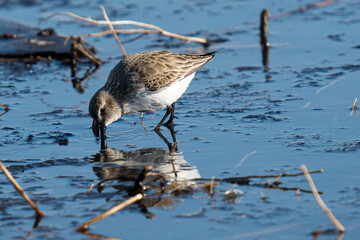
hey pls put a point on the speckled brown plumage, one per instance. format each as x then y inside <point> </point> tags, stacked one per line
<point>154,69</point>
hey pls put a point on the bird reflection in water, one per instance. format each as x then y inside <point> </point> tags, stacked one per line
<point>124,168</point>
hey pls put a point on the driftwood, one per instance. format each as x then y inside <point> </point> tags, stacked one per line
<point>23,42</point>
<point>149,28</point>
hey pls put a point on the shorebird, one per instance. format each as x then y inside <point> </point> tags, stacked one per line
<point>144,82</point>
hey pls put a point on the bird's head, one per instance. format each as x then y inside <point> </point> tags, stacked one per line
<point>104,110</point>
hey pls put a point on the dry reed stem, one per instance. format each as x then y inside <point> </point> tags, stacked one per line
<point>340,236</point>
<point>90,188</point>
<point>142,121</point>
<point>320,201</point>
<point>171,159</point>
<point>298,194</point>
<point>328,85</point>
<point>290,189</point>
<point>113,30</point>
<point>5,106</point>
<point>244,158</point>
<point>88,54</point>
<point>276,179</point>
<point>113,210</point>
<point>354,106</point>
<point>99,236</point>
<point>306,8</point>
<point>6,109</point>
<point>128,31</point>
<point>283,175</point>
<point>263,197</point>
<point>212,186</point>
<point>208,185</point>
<point>20,190</point>
<point>129,22</point>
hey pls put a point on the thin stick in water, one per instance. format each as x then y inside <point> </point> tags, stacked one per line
<point>320,201</point>
<point>264,42</point>
<point>6,109</point>
<point>142,121</point>
<point>99,236</point>
<point>113,210</point>
<point>244,158</point>
<point>274,180</point>
<point>298,194</point>
<point>20,190</point>
<point>212,186</point>
<point>113,30</point>
<point>306,8</point>
<point>129,22</point>
<point>354,106</point>
<point>328,85</point>
<point>90,188</point>
<point>269,176</point>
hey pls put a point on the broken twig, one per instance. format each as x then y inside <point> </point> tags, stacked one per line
<point>20,190</point>
<point>142,121</point>
<point>230,179</point>
<point>113,210</point>
<point>99,236</point>
<point>153,28</point>
<point>212,186</point>
<point>6,109</point>
<point>244,158</point>
<point>354,106</point>
<point>328,85</point>
<point>306,8</point>
<point>90,188</point>
<point>274,181</point>
<point>113,30</point>
<point>320,201</point>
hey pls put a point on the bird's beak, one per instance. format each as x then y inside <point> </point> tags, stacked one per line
<point>103,136</point>
<point>99,130</point>
<point>95,128</point>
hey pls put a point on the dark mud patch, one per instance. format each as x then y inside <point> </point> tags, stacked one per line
<point>351,146</point>
<point>21,136</point>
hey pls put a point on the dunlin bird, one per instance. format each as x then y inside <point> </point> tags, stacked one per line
<point>144,82</point>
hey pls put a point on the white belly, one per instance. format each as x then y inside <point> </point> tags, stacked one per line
<point>156,100</point>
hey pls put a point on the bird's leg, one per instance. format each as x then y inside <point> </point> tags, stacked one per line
<point>170,122</point>
<point>168,110</point>
<point>166,141</point>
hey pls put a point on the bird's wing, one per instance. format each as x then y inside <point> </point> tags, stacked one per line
<point>159,69</point>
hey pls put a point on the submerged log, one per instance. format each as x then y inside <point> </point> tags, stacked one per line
<point>19,41</point>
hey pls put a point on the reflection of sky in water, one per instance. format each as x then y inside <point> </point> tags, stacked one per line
<point>225,115</point>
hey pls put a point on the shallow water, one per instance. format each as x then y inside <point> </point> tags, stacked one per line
<point>232,122</point>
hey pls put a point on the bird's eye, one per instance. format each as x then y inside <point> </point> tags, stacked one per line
<point>102,111</point>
